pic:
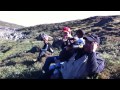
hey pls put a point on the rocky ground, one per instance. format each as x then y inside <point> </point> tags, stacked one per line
<point>8,31</point>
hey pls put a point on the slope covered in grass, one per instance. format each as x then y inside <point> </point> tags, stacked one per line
<point>16,62</point>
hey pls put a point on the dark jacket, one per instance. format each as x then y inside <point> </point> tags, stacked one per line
<point>66,54</point>
<point>47,47</point>
<point>92,60</point>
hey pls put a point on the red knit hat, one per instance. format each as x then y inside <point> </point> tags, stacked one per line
<point>66,29</point>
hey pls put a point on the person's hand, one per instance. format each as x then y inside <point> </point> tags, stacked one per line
<point>94,46</point>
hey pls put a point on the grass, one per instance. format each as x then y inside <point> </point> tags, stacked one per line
<point>18,47</point>
<point>24,67</point>
<point>20,66</point>
<point>16,63</point>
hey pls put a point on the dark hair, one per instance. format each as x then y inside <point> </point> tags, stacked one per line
<point>80,32</point>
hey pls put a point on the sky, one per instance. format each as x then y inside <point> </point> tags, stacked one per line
<point>31,18</point>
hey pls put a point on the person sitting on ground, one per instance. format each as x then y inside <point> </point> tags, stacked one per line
<point>47,49</point>
<point>67,50</point>
<point>84,63</point>
<point>66,36</point>
<point>65,54</point>
<point>79,41</point>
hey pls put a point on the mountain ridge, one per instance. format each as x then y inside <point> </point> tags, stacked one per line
<point>11,25</point>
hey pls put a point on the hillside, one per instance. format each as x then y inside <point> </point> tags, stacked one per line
<point>8,31</point>
<point>17,62</point>
<point>11,25</point>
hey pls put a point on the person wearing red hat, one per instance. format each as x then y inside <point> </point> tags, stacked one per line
<point>66,29</point>
<point>65,53</point>
<point>66,33</point>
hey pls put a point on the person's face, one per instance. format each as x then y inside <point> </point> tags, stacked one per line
<point>65,33</point>
<point>79,35</point>
<point>45,41</point>
<point>90,46</point>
